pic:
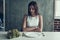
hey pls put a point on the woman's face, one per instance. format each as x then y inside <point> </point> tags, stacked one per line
<point>32,9</point>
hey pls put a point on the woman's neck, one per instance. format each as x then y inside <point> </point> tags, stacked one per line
<point>33,15</point>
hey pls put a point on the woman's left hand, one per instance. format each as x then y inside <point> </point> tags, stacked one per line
<point>37,30</point>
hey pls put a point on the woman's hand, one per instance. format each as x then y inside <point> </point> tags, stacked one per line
<point>37,30</point>
<point>33,29</point>
<point>29,29</point>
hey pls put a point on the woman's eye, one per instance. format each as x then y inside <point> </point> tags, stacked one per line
<point>33,9</point>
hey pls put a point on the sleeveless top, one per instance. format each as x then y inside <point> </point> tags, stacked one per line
<point>32,21</point>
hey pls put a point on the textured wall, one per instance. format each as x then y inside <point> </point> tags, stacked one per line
<point>15,10</point>
<point>1,10</point>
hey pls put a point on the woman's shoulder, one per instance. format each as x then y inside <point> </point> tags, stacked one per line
<point>40,15</point>
<point>25,16</point>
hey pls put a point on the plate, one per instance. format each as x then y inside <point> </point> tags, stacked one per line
<point>32,34</point>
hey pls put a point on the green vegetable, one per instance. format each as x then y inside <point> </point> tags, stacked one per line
<point>13,33</point>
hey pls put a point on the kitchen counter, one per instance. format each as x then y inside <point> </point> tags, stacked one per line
<point>48,36</point>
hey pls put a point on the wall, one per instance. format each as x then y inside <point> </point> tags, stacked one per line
<point>15,10</point>
<point>1,10</point>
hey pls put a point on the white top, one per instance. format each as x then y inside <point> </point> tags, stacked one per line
<point>32,21</point>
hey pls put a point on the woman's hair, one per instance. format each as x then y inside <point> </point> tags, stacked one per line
<point>35,7</point>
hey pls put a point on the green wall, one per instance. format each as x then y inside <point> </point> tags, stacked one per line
<point>15,10</point>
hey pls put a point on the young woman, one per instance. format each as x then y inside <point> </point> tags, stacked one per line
<point>33,22</point>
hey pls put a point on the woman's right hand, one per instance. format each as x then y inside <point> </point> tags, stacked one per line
<point>29,29</point>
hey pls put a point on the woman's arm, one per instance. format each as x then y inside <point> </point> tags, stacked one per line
<point>41,23</point>
<point>29,29</point>
<point>25,29</point>
<point>39,29</point>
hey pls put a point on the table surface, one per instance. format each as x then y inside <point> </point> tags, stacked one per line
<point>48,36</point>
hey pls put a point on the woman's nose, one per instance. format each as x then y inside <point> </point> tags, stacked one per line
<point>31,10</point>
